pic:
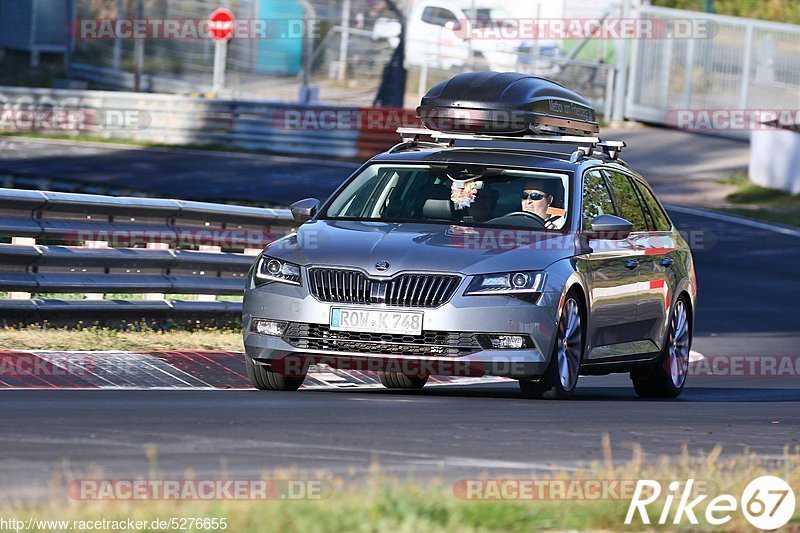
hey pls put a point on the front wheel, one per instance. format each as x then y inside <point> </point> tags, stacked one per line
<point>264,379</point>
<point>667,377</point>
<point>396,380</point>
<point>561,376</point>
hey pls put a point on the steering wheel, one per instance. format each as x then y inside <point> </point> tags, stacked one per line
<point>536,219</point>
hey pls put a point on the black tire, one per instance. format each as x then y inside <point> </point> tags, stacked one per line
<point>264,379</point>
<point>550,386</point>
<point>396,380</point>
<point>658,380</point>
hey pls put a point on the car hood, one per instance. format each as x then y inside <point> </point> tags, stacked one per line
<point>414,246</point>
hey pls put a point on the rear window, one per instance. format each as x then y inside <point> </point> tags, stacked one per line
<point>659,218</point>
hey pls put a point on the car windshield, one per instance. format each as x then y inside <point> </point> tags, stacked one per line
<point>472,195</point>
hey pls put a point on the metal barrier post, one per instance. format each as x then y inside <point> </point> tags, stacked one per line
<point>94,245</point>
<point>22,241</point>
<point>155,246</point>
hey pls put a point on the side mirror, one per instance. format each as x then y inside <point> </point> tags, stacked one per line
<point>609,227</point>
<point>453,25</point>
<point>304,210</point>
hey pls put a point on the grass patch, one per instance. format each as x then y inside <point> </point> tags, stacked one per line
<point>789,217</point>
<point>381,503</point>
<point>102,338</point>
<point>753,201</point>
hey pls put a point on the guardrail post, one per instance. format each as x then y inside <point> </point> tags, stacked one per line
<point>213,249</point>
<point>22,241</point>
<point>94,244</point>
<point>156,246</point>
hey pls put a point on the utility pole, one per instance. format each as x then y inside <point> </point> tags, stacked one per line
<point>621,78</point>
<point>138,51</point>
<point>345,41</point>
<point>116,59</point>
<point>308,50</point>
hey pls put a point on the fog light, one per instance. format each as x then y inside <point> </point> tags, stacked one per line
<point>506,342</point>
<point>267,327</point>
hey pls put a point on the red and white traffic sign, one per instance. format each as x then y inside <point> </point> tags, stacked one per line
<point>220,24</point>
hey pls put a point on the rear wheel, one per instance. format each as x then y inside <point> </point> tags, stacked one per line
<point>667,377</point>
<point>561,376</point>
<point>396,380</point>
<point>264,379</point>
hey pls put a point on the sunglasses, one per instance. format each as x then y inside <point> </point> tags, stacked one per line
<point>535,196</point>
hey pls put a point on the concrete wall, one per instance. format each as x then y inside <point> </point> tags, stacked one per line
<point>775,159</point>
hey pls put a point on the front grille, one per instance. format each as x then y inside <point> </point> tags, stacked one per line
<point>407,290</point>
<point>430,343</point>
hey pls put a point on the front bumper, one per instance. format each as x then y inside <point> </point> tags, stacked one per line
<point>467,315</point>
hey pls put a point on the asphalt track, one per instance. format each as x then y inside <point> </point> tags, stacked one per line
<point>664,156</point>
<point>747,307</point>
<point>748,297</point>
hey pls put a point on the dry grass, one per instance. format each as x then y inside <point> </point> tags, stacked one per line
<point>95,338</point>
<point>381,503</point>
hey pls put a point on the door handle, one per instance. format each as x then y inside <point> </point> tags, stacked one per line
<point>631,264</point>
<point>667,262</point>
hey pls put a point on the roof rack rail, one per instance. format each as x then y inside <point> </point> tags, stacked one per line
<point>411,135</point>
<point>585,145</point>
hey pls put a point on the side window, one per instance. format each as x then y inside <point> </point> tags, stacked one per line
<point>627,201</point>
<point>660,220</point>
<point>438,16</point>
<point>429,15</point>
<point>596,197</point>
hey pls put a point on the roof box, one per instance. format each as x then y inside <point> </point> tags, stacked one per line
<point>506,103</point>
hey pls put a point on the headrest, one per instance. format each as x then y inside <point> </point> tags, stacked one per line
<point>440,209</point>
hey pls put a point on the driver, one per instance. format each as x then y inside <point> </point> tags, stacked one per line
<point>535,198</point>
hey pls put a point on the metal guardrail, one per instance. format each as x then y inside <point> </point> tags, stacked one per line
<point>94,245</point>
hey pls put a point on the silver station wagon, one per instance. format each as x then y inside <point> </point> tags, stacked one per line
<point>502,238</point>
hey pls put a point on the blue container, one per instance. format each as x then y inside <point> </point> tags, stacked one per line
<point>281,52</point>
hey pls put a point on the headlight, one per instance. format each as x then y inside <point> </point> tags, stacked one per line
<point>506,283</point>
<point>270,269</point>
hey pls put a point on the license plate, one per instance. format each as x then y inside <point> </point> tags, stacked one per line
<point>373,320</point>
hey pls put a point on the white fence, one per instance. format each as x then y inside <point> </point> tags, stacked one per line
<point>743,64</point>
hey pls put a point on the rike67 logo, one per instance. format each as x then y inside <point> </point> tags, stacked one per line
<point>767,502</point>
